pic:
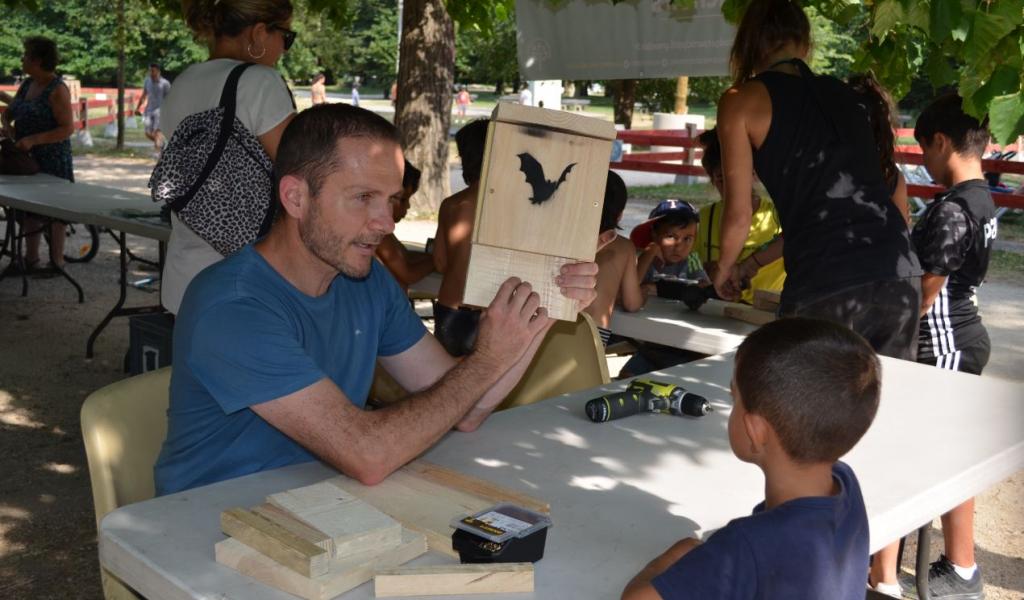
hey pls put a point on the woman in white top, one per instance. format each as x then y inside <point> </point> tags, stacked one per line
<point>255,31</point>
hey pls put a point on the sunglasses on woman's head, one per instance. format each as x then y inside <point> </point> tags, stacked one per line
<point>288,34</point>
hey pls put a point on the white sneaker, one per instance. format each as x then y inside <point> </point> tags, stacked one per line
<point>893,590</point>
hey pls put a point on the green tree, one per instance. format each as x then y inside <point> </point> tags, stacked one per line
<point>488,56</point>
<point>86,35</point>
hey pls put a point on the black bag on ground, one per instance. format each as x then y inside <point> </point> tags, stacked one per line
<point>215,175</point>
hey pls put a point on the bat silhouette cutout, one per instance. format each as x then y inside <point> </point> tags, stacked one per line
<point>542,188</point>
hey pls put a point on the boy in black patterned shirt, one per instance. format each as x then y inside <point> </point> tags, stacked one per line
<point>953,240</point>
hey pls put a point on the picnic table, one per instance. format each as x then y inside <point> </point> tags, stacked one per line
<point>575,103</point>
<point>620,492</point>
<point>118,210</point>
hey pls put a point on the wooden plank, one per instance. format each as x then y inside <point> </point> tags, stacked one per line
<point>274,541</point>
<point>285,519</point>
<point>428,503</point>
<point>344,573</point>
<point>489,267</point>
<point>551,215</point>
<point>766,300</point>
<point>438,580</point>
<point>554,119</point>
<point>478,487</point>
<point>353,525</point>
<point>748,314</point>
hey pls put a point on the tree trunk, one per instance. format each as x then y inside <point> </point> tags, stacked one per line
<point>623,97</point>
<point>682,91</point>
<point>581,89</point>
<point>120,74</point>
<point>499,88</point>
<point>426,73</point>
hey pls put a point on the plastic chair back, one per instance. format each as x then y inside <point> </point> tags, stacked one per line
<point>570,359</point>
<point>123,426</point>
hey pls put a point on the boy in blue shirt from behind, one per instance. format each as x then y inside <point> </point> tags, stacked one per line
<point>804,391</point>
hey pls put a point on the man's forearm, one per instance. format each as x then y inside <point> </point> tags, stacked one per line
<point>435,411</point>
<point>500,390</point>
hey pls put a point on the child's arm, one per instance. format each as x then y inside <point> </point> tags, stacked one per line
<point>640,588</point>
<point>458,235</point>
<point>646,259</point>
<point>939,238</point>
<point>769,253</point>
<point>631,296</point>
<point>407,267</point>
<point>931,285</point>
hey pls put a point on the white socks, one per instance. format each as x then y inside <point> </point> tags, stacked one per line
<point>965,573</point>
<point>889,589</point>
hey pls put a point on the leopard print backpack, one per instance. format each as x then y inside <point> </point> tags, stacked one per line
<point>215,175</point>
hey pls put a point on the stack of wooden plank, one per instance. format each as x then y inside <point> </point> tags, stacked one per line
<point>315,542</point>
<point>321,540</point>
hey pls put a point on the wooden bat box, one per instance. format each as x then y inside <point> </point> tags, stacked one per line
<point>541,194</point>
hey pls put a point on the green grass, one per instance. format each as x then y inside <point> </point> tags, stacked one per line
<point>1007,267</point>
<point>1011,226</point>
<point>700,194</point>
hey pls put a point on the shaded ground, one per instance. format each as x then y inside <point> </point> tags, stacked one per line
<point>47,528</point>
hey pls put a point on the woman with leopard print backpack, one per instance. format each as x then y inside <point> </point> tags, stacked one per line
<point>225,117</point>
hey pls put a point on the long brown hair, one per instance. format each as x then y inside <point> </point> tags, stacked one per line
<point>881,115</point>
<point>211,19</point>
<point>767,25</point>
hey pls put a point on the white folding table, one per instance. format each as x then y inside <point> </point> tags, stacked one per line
<point>671,323</point>
<point>621,492</point>
<point>118,210</point>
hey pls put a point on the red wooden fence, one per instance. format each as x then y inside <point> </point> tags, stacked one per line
<point>80,110</point>
<point>655,162</point>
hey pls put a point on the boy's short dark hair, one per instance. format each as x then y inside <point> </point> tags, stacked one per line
<point>816,382</point>
<point>44,50</point>
<point>711,159</point>
<point>156,66</point>
<point>946,116</point>
<point>614,202</point>
<point>675,219</point>
<point>309,145</point>
<point>471,140</point>
<point>411,177</point>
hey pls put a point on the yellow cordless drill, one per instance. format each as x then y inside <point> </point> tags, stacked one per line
<point>644,395</point>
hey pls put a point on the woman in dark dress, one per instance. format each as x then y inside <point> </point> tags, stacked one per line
<point>39,119</point>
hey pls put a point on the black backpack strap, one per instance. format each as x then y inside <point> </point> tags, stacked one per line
<point>228,101</point>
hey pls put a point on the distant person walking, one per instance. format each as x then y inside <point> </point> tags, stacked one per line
<point>462,102</point>
<point>355,92</point>
<point>39,119</point>
<point>318,91</point>
<point>154,89</point>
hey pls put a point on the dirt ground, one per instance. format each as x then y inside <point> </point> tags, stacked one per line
<point>47,526</point>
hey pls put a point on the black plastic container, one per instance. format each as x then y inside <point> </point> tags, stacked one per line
<point>501,534</point>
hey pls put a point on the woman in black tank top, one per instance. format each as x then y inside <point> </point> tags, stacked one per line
<point>847,251</point>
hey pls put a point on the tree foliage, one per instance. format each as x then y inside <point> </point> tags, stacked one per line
<point>85,33</point>
<point>363,43</point>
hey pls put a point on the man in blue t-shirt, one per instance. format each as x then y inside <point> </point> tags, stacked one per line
<point>804,392</point>
<point>275,346</point>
